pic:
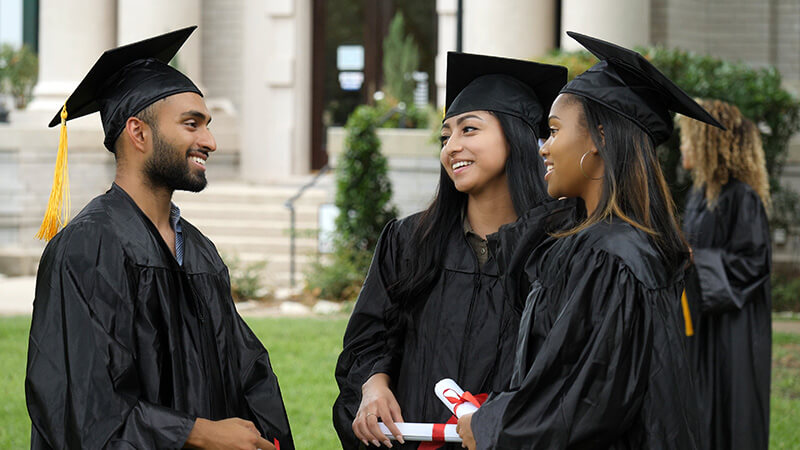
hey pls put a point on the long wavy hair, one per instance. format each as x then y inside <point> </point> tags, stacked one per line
<point>718,155</point>
<point>634,188</point>
<point>524,171</point>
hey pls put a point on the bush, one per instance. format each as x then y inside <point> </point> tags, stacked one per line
<point>363,192</point>
<point>785,292</point>
<point>757,93</point>
<point>19,69</point>
<point>400,60</point>
<point>340,280</point>
<point>246,279</point>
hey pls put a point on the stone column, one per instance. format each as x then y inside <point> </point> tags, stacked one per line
<point>72,35</point>
<point>623,22</point>
<point>276,107</point>
<point>523,29</point>
<point>141,19</point>
<point>447,30</point>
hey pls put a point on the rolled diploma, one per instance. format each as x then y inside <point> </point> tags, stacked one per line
<point>420,432</point>
<point>448,388</point>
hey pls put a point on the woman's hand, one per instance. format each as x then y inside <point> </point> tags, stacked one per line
<point>377,402</point>
<point>464,429</point>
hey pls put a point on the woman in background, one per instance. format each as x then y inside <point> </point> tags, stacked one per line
<point>726,225</point>
<point>432,305</point>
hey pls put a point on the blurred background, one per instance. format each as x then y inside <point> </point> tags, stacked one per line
<point>282,78</point>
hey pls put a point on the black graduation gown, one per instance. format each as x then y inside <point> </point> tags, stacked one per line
<point>732,344</point>
<point>466,331</point>
<point>127,347</point>
<point>601,360</point>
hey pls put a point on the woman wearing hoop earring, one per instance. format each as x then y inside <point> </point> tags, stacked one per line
<point>600,357</point>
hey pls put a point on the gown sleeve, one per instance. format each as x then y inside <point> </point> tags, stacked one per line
<point>365,346</point>
<point>732,275</point>
<point>260,387</point>
<point>586,371</point>
<point>82,386</point>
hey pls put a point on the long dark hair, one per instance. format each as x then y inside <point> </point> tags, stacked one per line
<point>634,188</point>
<point>524,171</point>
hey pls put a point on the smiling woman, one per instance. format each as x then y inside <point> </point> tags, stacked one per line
<point>432,305</point>
<point>600,336</point>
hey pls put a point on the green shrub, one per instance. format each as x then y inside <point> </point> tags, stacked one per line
<point>338,280</point>
<point>785,292</point>
<point>363,188</point>
<point>246,278</point>
<point>757,93</point>
<point>400,60</point>
<point>363,193</point>
<point>19,69</point>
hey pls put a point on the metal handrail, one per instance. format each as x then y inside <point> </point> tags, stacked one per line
<point>293,218</point>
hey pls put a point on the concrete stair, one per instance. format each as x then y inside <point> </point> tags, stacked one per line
<point>251,223</point>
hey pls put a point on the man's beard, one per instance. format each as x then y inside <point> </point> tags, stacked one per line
<point>169,168</point>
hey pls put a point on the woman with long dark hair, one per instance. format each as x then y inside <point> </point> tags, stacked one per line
<point>600,361</point>
<point>726,225</point>
<point>432,305</point>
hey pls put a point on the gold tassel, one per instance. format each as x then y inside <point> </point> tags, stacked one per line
<point>57,214</point>
<point>687,317</point>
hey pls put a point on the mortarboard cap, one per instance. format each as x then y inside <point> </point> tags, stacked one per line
<point>122,82</point>
<point>127,79</point>
<point>628,84</point>
<point>524,89</point>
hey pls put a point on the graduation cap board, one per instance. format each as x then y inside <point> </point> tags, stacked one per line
<point>123,82</point>
<point>524,89</point>
<point>630,85</point>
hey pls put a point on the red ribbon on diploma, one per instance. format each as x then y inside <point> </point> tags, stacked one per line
<point>437,436</point>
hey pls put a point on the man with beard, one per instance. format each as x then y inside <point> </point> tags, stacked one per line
<point>135,341</point>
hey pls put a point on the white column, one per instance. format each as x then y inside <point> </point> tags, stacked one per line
<point>623,22</point>
<point>276,107</point>
<point>446,11</point>
<point>141,19</point>
<point>523,29</point>
<point>72,35</point>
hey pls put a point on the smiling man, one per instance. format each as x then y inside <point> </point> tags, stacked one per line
<point>135,341</point>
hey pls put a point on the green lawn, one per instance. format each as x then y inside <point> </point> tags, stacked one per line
<point>303,353</point>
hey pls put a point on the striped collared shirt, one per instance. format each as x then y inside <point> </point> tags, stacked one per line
<point>175,221</point>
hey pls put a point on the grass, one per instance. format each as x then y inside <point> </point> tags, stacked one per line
<point>303,353</point>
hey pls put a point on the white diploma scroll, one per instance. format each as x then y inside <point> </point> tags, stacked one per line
<point>451,394</point>
<point>423,432</point>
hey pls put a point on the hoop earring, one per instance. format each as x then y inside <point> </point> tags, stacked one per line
<point>584,173</point>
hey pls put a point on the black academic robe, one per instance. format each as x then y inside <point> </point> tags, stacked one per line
<point>601,361</point>
<point>731,347</point>
<point>127,347</point>
<point>465,331</point>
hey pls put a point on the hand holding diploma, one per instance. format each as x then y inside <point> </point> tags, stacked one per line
<point>464,430</point>
<point>377,403</point>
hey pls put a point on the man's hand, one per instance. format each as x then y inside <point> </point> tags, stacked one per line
<point>464,429</point>
<point>233,433</point>
<point>377,402</point>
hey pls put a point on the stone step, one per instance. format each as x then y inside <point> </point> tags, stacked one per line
<point>253,195</point>
<point>264,228</point>
<point>263,245</point>
<point>244,211</point>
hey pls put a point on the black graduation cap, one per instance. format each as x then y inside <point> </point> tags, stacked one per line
<point>524,89</point>
<point>122,82</point>
<point>627,83</point>
<point>127,79</point>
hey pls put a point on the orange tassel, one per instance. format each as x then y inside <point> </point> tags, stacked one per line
<point>57,214</point>
<point>687,317</point>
